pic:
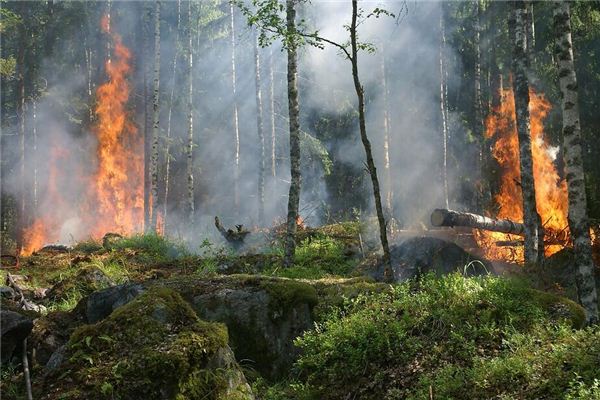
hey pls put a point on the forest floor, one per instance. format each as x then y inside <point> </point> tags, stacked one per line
<point>144,317</point>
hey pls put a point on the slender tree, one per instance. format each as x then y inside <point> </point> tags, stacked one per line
<point>367,144</point>
<point>443,104</point>
<point>190,111</point>
<point>155,118</point>
<point>389,191</point>
<point>169,119</point>
<point>261,135</point>
<point>273,156</point>
<point>294,123</point>
<point>578,219</point>
<point>236,125</point>
<point>478,106</point>
<point>534,236</point>
<point>147,44</point>
<point>21,116</point>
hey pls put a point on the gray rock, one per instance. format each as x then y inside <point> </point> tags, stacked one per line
<point>56,358</point>
<point>7,292</point>
<point>262,335</point>
<point>14,328</point>
<point>420,255</point>
<point>102,303</point>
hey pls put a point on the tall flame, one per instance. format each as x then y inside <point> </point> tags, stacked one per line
<point>550,189</point>
<point>117,188</point>
<point>112,198</point>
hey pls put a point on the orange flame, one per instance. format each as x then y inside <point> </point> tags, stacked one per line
<point>113,194</point>
<point>550,189</point>
<point>117,187</point>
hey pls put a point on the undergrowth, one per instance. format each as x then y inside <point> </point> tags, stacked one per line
<point>460,338</point>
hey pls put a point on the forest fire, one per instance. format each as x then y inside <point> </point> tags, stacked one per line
<point>551,190</point>
<point>112,198</point>
<point>117,188</point>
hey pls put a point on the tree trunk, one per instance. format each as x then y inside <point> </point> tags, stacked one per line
<point>530,27</point>
<point>389,191</point>
<point>443,217</point>
<point>21,116</point>
<point>578,219</point>
<point>294,121</point>
<point>367,145</point>
<point>155,117</point>
<point>534,246</point>
<point>261,135</point>
<point>147,117</point>
<point>190,109</point>
<point>479,123</point>
<point>236,125</point>
<point>168,139</point>
<point>273,157</point>
<point>443,106</point>
<point>35,163</point>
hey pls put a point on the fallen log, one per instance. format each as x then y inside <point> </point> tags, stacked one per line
<point>443,217</point>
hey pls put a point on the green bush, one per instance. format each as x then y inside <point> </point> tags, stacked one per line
<point>466,338</point>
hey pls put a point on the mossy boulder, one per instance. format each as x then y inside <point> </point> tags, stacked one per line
<point>263,315</point>
<point>558,274</point>
<point>154,347</point>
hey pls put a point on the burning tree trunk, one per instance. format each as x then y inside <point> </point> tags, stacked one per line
<point>578,220</point>
<point>168,139</point>
<point>190,110</point>
<point>443,105</point>
<point>367,144</point>
<point>534,247</point>
<point>443,217</point>
<point>155,115</point>
<point>294,121</point>
<point>261,135</point>
<point>236,127</point>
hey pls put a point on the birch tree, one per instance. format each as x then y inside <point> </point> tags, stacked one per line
<point>534,236</point>
<point>236,126</point>
<point>294,123</point>
<point>155,117</point>
<point>578,219</point>
<point>190,119</point>
<point>261,135</point>
<point>169,117</point>
<point>443,105</point>
<point>389,196</point>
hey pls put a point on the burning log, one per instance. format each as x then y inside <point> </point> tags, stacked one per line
<point>235,237</point>
<point>443,217</point>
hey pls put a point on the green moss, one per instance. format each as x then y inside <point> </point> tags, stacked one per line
<point>560,307</point>
<point>287,294</point>
<point>151,346</point>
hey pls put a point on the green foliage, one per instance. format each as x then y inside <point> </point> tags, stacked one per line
<point>88,246</point>
<point>466,337</point>
<point>152,247</point>
<point>11,383</point>
<point>8,67</point>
